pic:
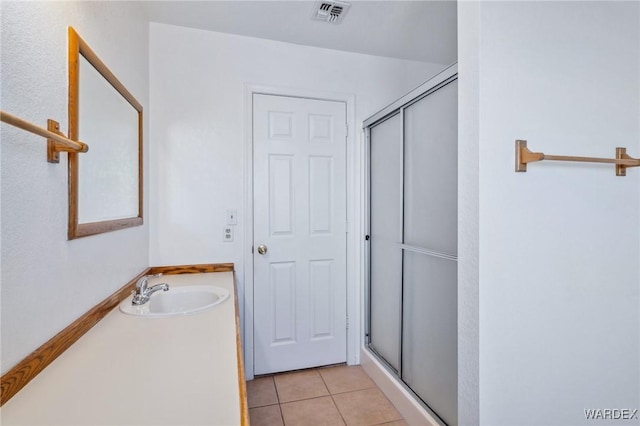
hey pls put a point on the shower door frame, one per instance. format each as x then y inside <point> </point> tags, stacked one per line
<point>437,82</point>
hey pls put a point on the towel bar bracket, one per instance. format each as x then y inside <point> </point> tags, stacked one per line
<point>621,154</point>
<point>53,149</point>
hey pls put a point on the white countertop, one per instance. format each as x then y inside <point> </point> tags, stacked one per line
<point>128,370</point>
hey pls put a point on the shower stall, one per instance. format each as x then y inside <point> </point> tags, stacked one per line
<point>411,242</point>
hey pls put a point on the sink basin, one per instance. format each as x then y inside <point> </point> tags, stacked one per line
<point>183,300</point>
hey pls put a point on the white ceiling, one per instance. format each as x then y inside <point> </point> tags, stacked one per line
<point>418,30</point>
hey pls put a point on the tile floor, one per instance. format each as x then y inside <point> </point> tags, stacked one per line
<point>339,395</point>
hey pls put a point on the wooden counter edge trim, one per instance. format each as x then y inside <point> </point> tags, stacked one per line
<point>22,373</point>
<point>242,384</point>
<point>192,269</point>
<point>18,377</point>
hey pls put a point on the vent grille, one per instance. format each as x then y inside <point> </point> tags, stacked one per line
<point>330,11</point>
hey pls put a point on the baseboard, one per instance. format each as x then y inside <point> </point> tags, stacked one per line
<point>414,413</point>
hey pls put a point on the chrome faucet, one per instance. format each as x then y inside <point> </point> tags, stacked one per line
<point>142,293</point>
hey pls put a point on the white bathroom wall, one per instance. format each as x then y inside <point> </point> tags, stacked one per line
<point>468,212</point>
<point>558,246</point>
<point>47,281</point>
<point>198,130</point>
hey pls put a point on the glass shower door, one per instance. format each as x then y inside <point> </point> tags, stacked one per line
<point>413,211</point>
<point>429,340</point>
<point>385,293</point>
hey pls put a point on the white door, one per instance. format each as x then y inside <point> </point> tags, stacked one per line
<point>299,185</point>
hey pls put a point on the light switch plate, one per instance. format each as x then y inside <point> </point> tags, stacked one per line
<point>232,217</point>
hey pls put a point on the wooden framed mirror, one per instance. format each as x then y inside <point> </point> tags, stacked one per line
<point>105,184</point>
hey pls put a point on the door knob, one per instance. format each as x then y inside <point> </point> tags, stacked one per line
<point>262,249</point>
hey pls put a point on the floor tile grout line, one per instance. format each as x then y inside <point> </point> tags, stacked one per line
<point>262,406</point>
<point>311,397</point>
<point>275,387</point>
<point>252,392</point>
<point>338,410</point>
<point>354,390</point>
<point>304,399</point>
<point>281,415</point>
<point>332,399</point>
<point>373,384</point>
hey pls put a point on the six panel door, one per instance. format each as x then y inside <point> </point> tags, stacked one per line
<point>299,183</point>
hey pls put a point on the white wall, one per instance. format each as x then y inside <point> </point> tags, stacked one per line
<point>468,216</point>
<point>198,83</point>
<point>558,246</point>
<point>47,281</point>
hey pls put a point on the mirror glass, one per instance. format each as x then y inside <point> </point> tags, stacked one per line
<point>108,172</point>
<point>105,188</point>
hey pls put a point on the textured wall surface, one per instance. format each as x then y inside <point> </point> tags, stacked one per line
<point>468,213</point>
<point>558,280</point>
<point>47,281</point>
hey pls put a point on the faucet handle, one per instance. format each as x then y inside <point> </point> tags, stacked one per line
<point>146,277</point>
<point>141,285</point>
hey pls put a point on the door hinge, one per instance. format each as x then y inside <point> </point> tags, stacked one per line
<point>347,322</point>
<point>346,125</point>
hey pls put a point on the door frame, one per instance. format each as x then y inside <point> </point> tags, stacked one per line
<point>353,163</point>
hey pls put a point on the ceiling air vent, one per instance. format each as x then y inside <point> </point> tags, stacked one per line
<point>330,11</point>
